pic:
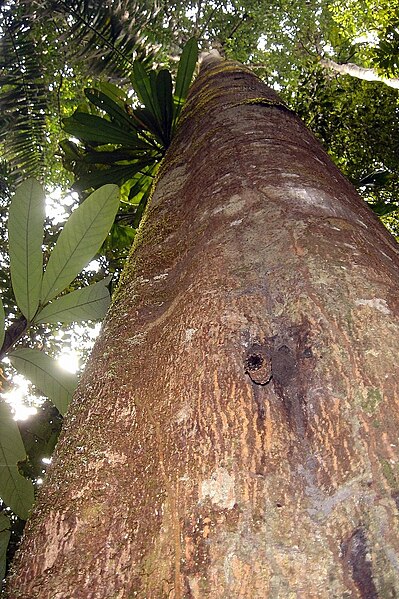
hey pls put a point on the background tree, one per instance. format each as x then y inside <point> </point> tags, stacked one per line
<point>370,34</point>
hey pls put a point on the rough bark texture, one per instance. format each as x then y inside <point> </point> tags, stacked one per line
<point>236,431</point>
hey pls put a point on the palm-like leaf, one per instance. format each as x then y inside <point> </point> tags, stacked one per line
<point>123,145</point>
<point>23,94</point>
<point>107,34</point>
<point>128,140</point>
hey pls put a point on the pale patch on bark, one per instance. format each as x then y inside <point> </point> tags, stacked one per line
<point>323,505</point>
<point>234,205</point>
<point>386,256</point>
<point>220,489</point>
<point>189,334</point>
<point>195,590</point>
<point>375,302</point>
<point>160,277</point>
<point>169,184</point>
<point>312,197</point>
<point>183,414</point>
<point>62,535</point>
<point>137,339</point>
<point>113,458</point>
<point>303,197</point>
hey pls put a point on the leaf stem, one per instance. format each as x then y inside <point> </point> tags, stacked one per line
<point>13,333</point>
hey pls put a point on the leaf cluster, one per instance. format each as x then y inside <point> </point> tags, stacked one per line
<point>122,144</point>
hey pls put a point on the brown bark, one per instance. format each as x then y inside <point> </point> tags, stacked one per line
<point>236,431</point>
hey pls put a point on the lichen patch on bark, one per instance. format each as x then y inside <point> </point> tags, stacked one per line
<point>375,302</point>
<point>219,488</point>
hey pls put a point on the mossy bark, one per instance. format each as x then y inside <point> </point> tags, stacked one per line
<point>235,433</point>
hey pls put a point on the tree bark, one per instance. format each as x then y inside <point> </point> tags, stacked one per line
<point>235,433</point>
<point>349,68</point>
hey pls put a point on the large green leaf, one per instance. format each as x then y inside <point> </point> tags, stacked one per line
<point>105,157</point>
<point>148,120</point>
<point>15,490</point>
<point>113,91</point>
<point>143,88</point>
<point>44,372</point>
<point>165,99</point>
<point>2,323</point>
<point>382,208</point>
<point>185,72</point>
<point>116,174</point>
<point>155,107</point>
<point>80,239</point>
<point>5,533</point>
<point>25,234</point>
<point>119,155</point>
<point>90,127</point>
<point>117,114</point>
<point>89,303</point>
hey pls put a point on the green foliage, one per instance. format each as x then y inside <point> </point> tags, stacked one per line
<point>93,128</point>
<point>387,51</point>
<point>184,76</point>
<point>15,490</point>
<point>358,123</point>
<point>122,144</point>
<point>370,30</point>
<point>39,436</point>
<point>44,45</point>
<point>25,233</point>
<point>46,375</point>
<point>80,239</point>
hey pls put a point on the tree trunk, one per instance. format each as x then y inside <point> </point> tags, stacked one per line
<point>235,433</point>
<point>354,70</point>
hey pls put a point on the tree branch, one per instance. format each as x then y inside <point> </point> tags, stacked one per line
<point>359,72</point>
